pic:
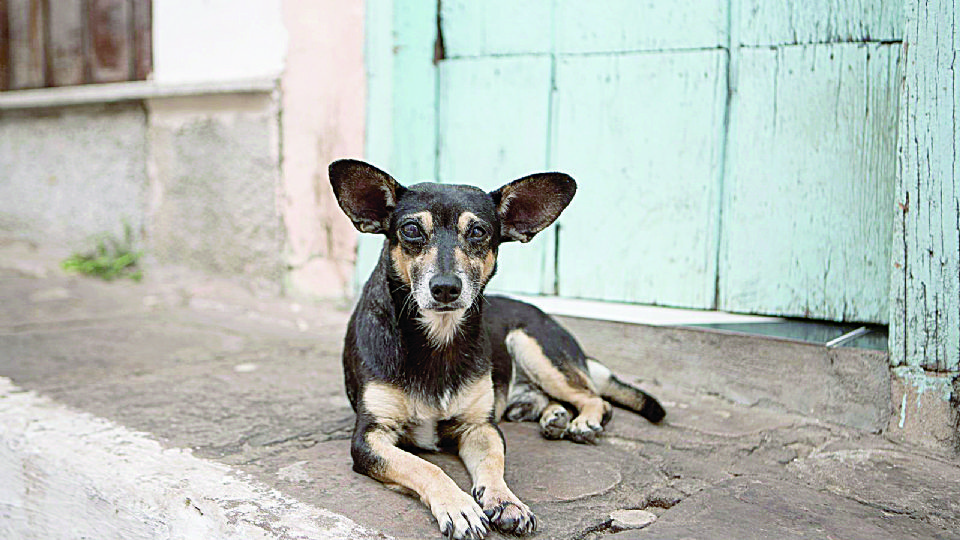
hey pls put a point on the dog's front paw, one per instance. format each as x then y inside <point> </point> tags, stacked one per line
<point>459,517</point>
<point>507,514</point>
<point>583,430</point>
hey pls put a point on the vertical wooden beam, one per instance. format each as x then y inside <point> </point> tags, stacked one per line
<point>142,35</point>
<point>4,46</point>
<point>26,54</point>
<point>65,43</point>
<point>108,46</point>
<point>925,291</point>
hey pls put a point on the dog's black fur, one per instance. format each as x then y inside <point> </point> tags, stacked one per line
<point>429,361</point>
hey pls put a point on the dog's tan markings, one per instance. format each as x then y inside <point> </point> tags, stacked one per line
<point>489,263</point>
<point>481,450</point>
<point>401,263</point>
<point>573,387</point>
<point>464,221</point>
<point>426,221</point>
<point>387,403</point>
<point>451,507</point>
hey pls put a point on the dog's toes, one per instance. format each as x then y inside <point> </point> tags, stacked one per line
<point>554,422</point>
<point>505,512</point>
<point>582,430</point>
<point>461,520</point>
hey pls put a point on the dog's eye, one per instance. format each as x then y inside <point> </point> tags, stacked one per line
<point>477,233</point>
<point>411,232</point>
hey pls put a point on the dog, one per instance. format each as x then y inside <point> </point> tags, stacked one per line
<point>430,362</point>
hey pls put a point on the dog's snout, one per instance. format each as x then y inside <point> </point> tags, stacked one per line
<point>445,288</point>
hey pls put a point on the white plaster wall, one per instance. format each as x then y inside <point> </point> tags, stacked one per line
<point>217,40</point>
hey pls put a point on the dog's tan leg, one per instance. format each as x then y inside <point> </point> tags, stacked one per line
<point>570,385</point>
<point>457,514</point>
<point>482,451</point>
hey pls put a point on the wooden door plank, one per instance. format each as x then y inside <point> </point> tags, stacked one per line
<point>494,116</point>
<point>763,22</point>
<point>641,133</point>
<point>142,39</point>
<point>27,53</point>
<point>108,46</point>
<point>807,214</point>
<point>496,27</point>
<point>4,46</point>
<point>925,296</point>
<point>591,26</point>
<point>65,43</point>
<point>405,144</point>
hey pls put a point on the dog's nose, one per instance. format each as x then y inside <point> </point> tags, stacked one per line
<point>445,289</point>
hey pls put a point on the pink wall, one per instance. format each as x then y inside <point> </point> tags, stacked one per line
<point>322,119</point>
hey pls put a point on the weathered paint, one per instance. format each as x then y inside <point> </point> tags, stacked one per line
<point>323,122</point>
<point>763,22</point>
<point>489,150</point>
<point>212,166</point>
<point>627,25</point>
<point>923,412</point>
<point>653,112</point>
<point>94,183</point>
<point>925,288</point>
<point>806,216</point>
<point>401,70</point>
<point>496,27</point>
<point>641,134</point>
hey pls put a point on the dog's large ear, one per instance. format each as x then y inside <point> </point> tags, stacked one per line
<point>366,194</point>
<point>530,204</point>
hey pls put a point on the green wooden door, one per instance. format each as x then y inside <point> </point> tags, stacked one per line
<point>731,154</point>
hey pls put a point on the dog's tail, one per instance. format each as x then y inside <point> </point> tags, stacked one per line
<point>623,394</point>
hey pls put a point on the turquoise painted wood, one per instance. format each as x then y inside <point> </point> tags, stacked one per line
<point>641,133</point>
<point>727,151</point>
<point>402,102</point>
<point>807,219</point>
<point>925,292</point>
<point>765,22</point>
<point>494,116</point>
<point>496,27</point>
<point>607,26</point>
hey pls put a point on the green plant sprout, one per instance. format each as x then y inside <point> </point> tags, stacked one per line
<point>112,258</point>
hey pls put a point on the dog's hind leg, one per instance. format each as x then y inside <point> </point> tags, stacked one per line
<point>568,384</point>
<point>525,402</point>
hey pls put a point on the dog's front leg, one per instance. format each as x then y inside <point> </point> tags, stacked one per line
<point>482,451</point>
<point>375,454</point>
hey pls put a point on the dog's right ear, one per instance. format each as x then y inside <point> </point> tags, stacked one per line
<point>366,194</point>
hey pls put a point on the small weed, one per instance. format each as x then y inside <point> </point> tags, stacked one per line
<point>112,258</point>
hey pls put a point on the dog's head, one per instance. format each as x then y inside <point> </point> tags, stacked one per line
<point>443,239</point>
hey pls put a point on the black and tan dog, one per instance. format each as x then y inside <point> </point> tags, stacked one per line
<point>430,362</point>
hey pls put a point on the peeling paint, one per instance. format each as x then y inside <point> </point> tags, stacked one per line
<point>940,385</point>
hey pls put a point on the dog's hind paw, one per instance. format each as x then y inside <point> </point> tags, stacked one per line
<point>553,423</point>
<point>505,511</point>
<point>582,430</point>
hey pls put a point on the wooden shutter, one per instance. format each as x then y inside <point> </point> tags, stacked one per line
<point>46,43</point>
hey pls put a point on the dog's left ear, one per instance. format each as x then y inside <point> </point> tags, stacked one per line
<point>366,194</point>
<point>530,204</point>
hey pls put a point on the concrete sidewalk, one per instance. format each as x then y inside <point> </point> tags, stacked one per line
<point>183,407</point>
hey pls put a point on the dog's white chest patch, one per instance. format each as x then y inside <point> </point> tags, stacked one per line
<point>441,327</point>
<point>424,434</point>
